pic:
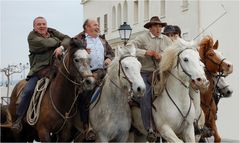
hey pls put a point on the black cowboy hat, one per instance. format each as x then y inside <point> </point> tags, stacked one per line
<point>153,21</point>
<point>169,29</point>
<point>178,30</point>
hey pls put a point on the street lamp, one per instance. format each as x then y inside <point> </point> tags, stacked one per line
<point>125,32</point>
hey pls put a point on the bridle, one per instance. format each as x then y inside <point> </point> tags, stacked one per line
<point>189,75</point>
<point>120,68</point>
<point>177,66</point>
<point>68,114</point>
<point>214,62</point>
<point>67,75</point>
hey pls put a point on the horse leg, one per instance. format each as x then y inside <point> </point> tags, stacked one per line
<point>101,137</point>
<point>216,135</point>
<point>168,134</point>
<point>188,134</point>
<point>44,135</point>
<point>65,135</point>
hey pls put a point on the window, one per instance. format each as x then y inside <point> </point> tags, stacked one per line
<point>119,13</point>
<point>105,23</point>
<point>146,9</point>
<point>114,18</point>
<point>98,20</point>
<point>125,12</point>
<point>185,36</point>
<point>162,8</point>
<point>185,5</point>
<point>135,11</point>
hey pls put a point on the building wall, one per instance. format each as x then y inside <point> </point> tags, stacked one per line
<point>192,19</point>
<point>226,30</point>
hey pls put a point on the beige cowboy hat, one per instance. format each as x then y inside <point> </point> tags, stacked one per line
<point>153,21</point>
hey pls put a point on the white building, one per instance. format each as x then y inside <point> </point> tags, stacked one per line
<point>192,17</point>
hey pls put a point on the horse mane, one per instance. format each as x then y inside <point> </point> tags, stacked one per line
<point>206,42</point>
<point>169,59</point>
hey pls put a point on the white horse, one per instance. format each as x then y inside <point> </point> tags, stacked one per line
<point>175,113</point>
<point>110,116</point>
<point>222,87</point>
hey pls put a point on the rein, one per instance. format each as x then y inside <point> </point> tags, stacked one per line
<point>125,76</point>
<point>66,116</point>
<point>177,65</point>
<point>179,62</point>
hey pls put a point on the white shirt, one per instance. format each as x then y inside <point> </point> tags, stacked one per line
<point>97,52</point>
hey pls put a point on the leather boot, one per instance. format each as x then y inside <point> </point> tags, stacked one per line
<point>17,125</point>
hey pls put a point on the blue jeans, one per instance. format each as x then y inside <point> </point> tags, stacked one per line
<point>27,95</point>
<point>146,102</point>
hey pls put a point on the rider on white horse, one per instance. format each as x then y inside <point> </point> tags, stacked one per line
<point>149,46</point>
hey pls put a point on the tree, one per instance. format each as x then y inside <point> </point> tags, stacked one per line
<point>12,69</point>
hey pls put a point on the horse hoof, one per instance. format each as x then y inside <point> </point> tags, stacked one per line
<point>151,137</point>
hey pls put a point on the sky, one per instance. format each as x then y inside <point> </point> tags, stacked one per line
<point>17,21</point>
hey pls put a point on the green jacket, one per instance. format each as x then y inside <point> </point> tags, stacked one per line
<point>41,49</point>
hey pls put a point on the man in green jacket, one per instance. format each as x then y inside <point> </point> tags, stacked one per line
<point>43,43</point>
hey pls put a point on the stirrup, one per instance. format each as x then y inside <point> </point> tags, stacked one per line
<point>17,126</point>
<point>90,135</point>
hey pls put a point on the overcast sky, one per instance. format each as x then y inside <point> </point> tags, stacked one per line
<point>16,23</point>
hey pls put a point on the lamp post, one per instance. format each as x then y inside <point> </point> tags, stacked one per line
<point>125,32</point>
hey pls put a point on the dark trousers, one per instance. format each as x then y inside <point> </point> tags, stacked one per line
<point>84,103</point>
<point>146,102</point>
<point>27,94</point>
<point>85,97</point>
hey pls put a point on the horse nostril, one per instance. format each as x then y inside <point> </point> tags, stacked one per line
<point>228,65</point>
<point>139,89</point>
<point>88,81</point>
<point>199,79</point>
<point>229,92</point>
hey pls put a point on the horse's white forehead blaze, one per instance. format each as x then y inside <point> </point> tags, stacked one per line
<point>191,54</point>
<point>219,54</point>
<point>131,62</point>
<point>81,53</point>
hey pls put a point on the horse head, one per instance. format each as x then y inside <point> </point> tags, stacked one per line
<point>222,86</point>
<point>213,59</point>
<point>76,63</point>
<point>129,68</point>
<point>186,57</point>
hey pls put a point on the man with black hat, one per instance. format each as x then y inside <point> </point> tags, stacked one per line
<point>172,32</point>
<point>149,47</point>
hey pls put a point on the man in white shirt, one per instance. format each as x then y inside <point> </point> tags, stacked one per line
<point>101,56</point>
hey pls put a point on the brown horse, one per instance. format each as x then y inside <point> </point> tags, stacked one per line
<point>58,111</point>
<point>215,65</point>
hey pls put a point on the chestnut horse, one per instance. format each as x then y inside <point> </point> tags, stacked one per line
<point>214,63</point>
<point>58,109</point>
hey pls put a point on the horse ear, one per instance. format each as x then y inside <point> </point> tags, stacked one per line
<point>215,46</point>
<point>131,48</point>
<point>119,51</point>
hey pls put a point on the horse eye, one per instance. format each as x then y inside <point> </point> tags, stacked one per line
<point>76,60</point>
<point>126,68</point>
<point>211,54</point>
<point>185,59</point>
